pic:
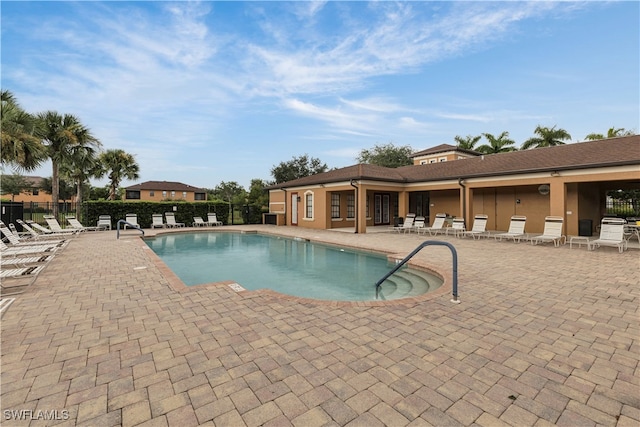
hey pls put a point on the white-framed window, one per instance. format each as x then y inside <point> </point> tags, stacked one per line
<point>442,159</point>
<point>152,193</point>
<point>308,205</point>
<point>423,162</point>
<point>164,194</point>
<point>173,194</point>
<point>184,195</point>
<point>433,161</point>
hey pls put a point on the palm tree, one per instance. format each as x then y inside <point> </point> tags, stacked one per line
<point>60,134</point>
<point>118,165</point>
<point>81,165</point>
<point>20,147</point>
<point>611,133</point>
<point>547,137</point>
<point>500,144</point>
<point>468,142</point>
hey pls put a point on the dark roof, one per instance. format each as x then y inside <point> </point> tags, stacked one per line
<point>584,155</point>
<point>165,186</point>
<point>443,148</point>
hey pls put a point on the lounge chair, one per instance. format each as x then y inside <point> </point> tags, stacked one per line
<point>74,223</point>
<point>13,279</point>
<point>516,229</point>
<point>406,225</point>
<point>157,221</point>
<point>25,260</point>
<point>611,234</point>
<point>131,219</point>
<point>212,219</point>
<point>437,226</point>
<point>418,224</point>
<point>171,220</point>
<point>457,227</point>
<point>15,240</point>
<point>104,222</point>
<point>15,251</point>
<point>479,228</point>
<point>53,224</point>
<point>199,222</point>
<point>552,232</point>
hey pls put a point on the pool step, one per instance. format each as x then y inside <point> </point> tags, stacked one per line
<point>406,283</point>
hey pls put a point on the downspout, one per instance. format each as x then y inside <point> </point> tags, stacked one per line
<point>356,200</point>
<point>285,206</point>
<point>464,199</point>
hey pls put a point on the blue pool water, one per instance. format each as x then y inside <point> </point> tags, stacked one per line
<point>288,266</point>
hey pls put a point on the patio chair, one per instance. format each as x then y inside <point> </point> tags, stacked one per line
<point>611,234</point>
<point>13,278</point>
<point>53,224</point>
<point>14,251</point>
<point>104,222</point>
<point>212,219</point>
<point>437,226</point>
<point>479,228</point>
<point>35,236</point>
<point>171,220</point>
<point>157,221</point>
<point>25,261</point>
<point>418,224</point>
<point>131,221</point>
<point>15,240</point>
<point>457,227</point>
<point>199,222</point>
<point>406,225</point>
<point>552,232</point>
<point>516,229</point>
<point>74,223</point>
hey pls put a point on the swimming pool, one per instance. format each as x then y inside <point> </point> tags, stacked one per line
<point>293,267</point>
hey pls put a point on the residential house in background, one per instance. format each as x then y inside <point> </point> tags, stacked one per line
<point>34,194</point>
<point>570,181</point>
<point>442,153</point>
<point>164,190</point>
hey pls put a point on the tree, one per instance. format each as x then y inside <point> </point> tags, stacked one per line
<point>20,147</point>
<point>231,192</point>
<point>60,134</point>
<point>257,193</point>
<point>117,165</point>
<point>297,167</point>
<point>468,142</point>
<point>13,184</point>
<point>547,137</point>
<point>387,155</point>
<point>611,133</point>
<point>66,189</point>
<point>81,165</point>
<point>500,144</point>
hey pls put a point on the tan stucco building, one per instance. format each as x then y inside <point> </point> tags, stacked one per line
<point>569,180</point>
<point>157,191</point>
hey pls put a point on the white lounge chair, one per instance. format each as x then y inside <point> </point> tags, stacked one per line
<point>74,223</point>
<point>131,219</point>
<point>15,240</point>
<point>406,225</point>
<point>199,222</point>
<point>157,221</point>
<point>418,224</point>
<point>171,220</point>
<point>53,224</point>
<point>24,261</point>
<point>212,219</point>
<point>552,232</point>
<point>14,280</point>
<point>516,229</point>
<point>437,226</point>
<point>104,222</point>
<point>611,234</point>
<point>14,251</point>
<point>457,227</point>
<point>479,228</point>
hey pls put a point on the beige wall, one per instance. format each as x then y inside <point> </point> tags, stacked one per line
<point>444,201</point>
<point>145,196</point>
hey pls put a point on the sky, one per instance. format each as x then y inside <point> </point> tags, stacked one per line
<point>206,92</point>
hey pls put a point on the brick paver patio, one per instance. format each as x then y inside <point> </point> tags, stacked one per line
<point>542,336</point>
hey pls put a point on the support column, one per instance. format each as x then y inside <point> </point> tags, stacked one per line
<point>361,206</point>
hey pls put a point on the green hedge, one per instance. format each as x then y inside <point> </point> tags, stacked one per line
<point>184,212</point>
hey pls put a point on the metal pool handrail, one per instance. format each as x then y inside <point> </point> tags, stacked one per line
<point>454,253</point>
<point>122,221</point>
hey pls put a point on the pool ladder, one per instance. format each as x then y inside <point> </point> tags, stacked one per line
<point>399,265</point>
<point>122,221</point>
